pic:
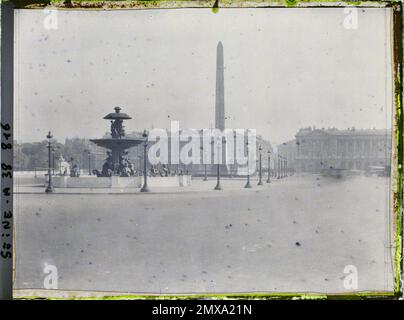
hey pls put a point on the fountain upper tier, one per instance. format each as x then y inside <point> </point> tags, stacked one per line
<point>117,115</point>
<point>118,143</point>
<point>118,138</point>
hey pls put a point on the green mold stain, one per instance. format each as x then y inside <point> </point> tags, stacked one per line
<point>291,3</point>
<point>215,8</point>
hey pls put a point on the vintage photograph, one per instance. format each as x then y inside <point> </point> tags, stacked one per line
<point>200,151</point>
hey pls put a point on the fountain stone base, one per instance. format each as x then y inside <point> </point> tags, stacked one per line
<point>120,182</point>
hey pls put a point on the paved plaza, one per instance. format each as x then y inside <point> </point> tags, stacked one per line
<point>294,234</point>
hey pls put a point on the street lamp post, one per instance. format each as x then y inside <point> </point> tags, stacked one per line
<point>233,169</point>
<point>248,185</point>
<point>87,152</point>
<point>282,167</point>
<point>49,188</point>
<point>145,187</point>
<point>205,165</point>
<point>89,162</point>
<point>53,160</point>
<point>279,167</point>
<point>218,186</point>
<point>35,169</point>
<point>286,168</point>
<point>260,167</point>
<point>269,167</point>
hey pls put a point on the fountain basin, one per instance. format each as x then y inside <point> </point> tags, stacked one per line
<point>120,182</point>
<point>122,144</point>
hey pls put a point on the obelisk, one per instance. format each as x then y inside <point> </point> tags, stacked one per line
<point>219,107</point>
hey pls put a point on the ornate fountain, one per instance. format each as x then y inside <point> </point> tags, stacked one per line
<point>117,162</point>
<point>117,170</point>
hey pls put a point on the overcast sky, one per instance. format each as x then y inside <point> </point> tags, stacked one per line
<point>284,69</point>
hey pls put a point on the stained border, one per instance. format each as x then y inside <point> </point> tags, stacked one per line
<point>397,151</point>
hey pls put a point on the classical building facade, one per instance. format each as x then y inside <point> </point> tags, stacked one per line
<point>315,150</point>
<point>288,151</point>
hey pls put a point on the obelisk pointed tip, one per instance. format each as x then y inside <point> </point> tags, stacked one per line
<point>219,44</point>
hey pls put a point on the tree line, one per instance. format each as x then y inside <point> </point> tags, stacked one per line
<point>30,156</point>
